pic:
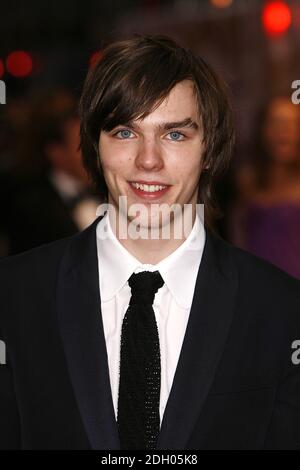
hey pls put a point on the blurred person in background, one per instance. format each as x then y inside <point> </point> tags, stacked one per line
<point>266,218</point>
<point>49,195</point>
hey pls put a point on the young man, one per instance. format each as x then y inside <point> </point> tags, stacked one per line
<point>122,338</point>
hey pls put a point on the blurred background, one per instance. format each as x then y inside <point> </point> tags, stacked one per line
<point>46,49</point>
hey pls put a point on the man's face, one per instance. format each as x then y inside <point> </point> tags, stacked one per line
<point>164,150</point>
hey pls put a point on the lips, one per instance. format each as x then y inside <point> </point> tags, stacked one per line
<point>149,190</point>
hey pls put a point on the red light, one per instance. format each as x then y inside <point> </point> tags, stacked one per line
<point>276,18</point>
<point>19,63</point>
<point>95,57</point>
<point>1,68</point>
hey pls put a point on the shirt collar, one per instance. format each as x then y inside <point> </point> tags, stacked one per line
<point>116,264</point>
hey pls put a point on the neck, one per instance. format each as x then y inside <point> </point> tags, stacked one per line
<point>153,249</point>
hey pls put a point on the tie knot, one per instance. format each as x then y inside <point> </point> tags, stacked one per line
<point>144,286</point>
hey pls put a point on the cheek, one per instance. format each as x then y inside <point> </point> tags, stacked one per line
<point>188,166</point>
<point>111,159</point>
<point>115,169</point>
<point>114,157</point>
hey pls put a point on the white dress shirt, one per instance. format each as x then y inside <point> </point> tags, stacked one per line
<point>172,302</point>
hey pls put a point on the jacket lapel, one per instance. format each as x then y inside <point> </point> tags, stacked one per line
<point>208,326</point>
<point>80,320</point>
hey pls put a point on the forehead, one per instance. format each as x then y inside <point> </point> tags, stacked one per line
<point>179,104</point>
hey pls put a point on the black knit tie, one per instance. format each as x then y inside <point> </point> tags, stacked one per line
<point>139,389</point>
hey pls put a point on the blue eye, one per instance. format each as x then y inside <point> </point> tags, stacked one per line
<point>176,135</point>
<point>125,133</point>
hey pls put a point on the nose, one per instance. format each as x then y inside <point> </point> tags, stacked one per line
<point>149,156</point>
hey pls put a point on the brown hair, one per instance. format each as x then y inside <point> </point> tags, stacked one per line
<point>132,78</point>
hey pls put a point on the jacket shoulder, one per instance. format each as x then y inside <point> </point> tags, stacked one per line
<point>41,258</point>
<point>254,267</point>
<point>257,276</point>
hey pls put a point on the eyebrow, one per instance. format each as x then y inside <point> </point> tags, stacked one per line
<point>165,126</point>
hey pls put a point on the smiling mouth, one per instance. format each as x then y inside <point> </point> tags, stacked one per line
<point>148,188</point>
<point>149,191</point>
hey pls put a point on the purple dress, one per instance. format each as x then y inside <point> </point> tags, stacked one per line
<point>273,233</point>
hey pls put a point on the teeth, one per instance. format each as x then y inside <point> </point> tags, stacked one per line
<point>150,188</point>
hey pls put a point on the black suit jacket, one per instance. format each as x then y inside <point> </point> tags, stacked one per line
<point>235,385</point>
